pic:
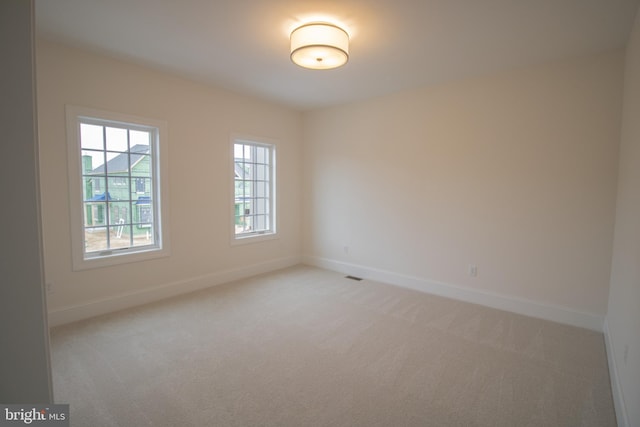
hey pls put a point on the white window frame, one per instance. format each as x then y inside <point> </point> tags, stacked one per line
<point>80,259</point>
<point>239,239</point>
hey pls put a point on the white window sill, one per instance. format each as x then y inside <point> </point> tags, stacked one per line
<point>253,238</point>
<point>119,258</point>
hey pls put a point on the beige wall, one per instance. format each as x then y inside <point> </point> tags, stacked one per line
<point>623,317</point>
<point>200,120</point>
<point>515,173</point>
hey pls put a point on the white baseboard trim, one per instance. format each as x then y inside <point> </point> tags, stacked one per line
<point>616,388</point>
<point>68,314</point>
<point>522,306</point>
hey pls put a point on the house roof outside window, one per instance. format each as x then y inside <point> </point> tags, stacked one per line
<point>120,163</point>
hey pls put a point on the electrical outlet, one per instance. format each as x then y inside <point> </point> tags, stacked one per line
<point>473,270</point>
<point>346,249</point>
<point>49,287</point>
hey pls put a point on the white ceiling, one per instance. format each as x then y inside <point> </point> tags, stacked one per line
<point>243,45</point>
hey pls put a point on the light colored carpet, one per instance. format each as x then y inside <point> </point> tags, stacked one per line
<point>307,347</point>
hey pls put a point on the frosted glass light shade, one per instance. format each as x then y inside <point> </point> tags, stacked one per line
<point>319,46</point>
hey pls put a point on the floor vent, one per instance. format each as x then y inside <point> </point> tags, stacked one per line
<point>353,278</point>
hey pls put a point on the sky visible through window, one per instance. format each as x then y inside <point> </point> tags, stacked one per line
<point>92,138</point>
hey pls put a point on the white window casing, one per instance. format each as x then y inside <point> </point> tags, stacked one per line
<point>118,187</point>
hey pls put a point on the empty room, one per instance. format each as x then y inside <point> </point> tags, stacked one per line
<point>321,213</point>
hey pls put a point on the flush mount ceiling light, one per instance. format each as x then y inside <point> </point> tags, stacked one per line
<point>319,46</point>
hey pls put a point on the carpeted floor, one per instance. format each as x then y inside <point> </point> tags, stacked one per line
<point>307,347</point>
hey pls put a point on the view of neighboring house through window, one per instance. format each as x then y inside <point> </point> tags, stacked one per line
<point>254,213</point>
<point>119,180</point>
<point>117,173</point>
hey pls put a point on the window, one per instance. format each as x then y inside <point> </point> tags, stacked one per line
<point>254,190</point>
<point>140,185</point>
<point>117,180</point>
